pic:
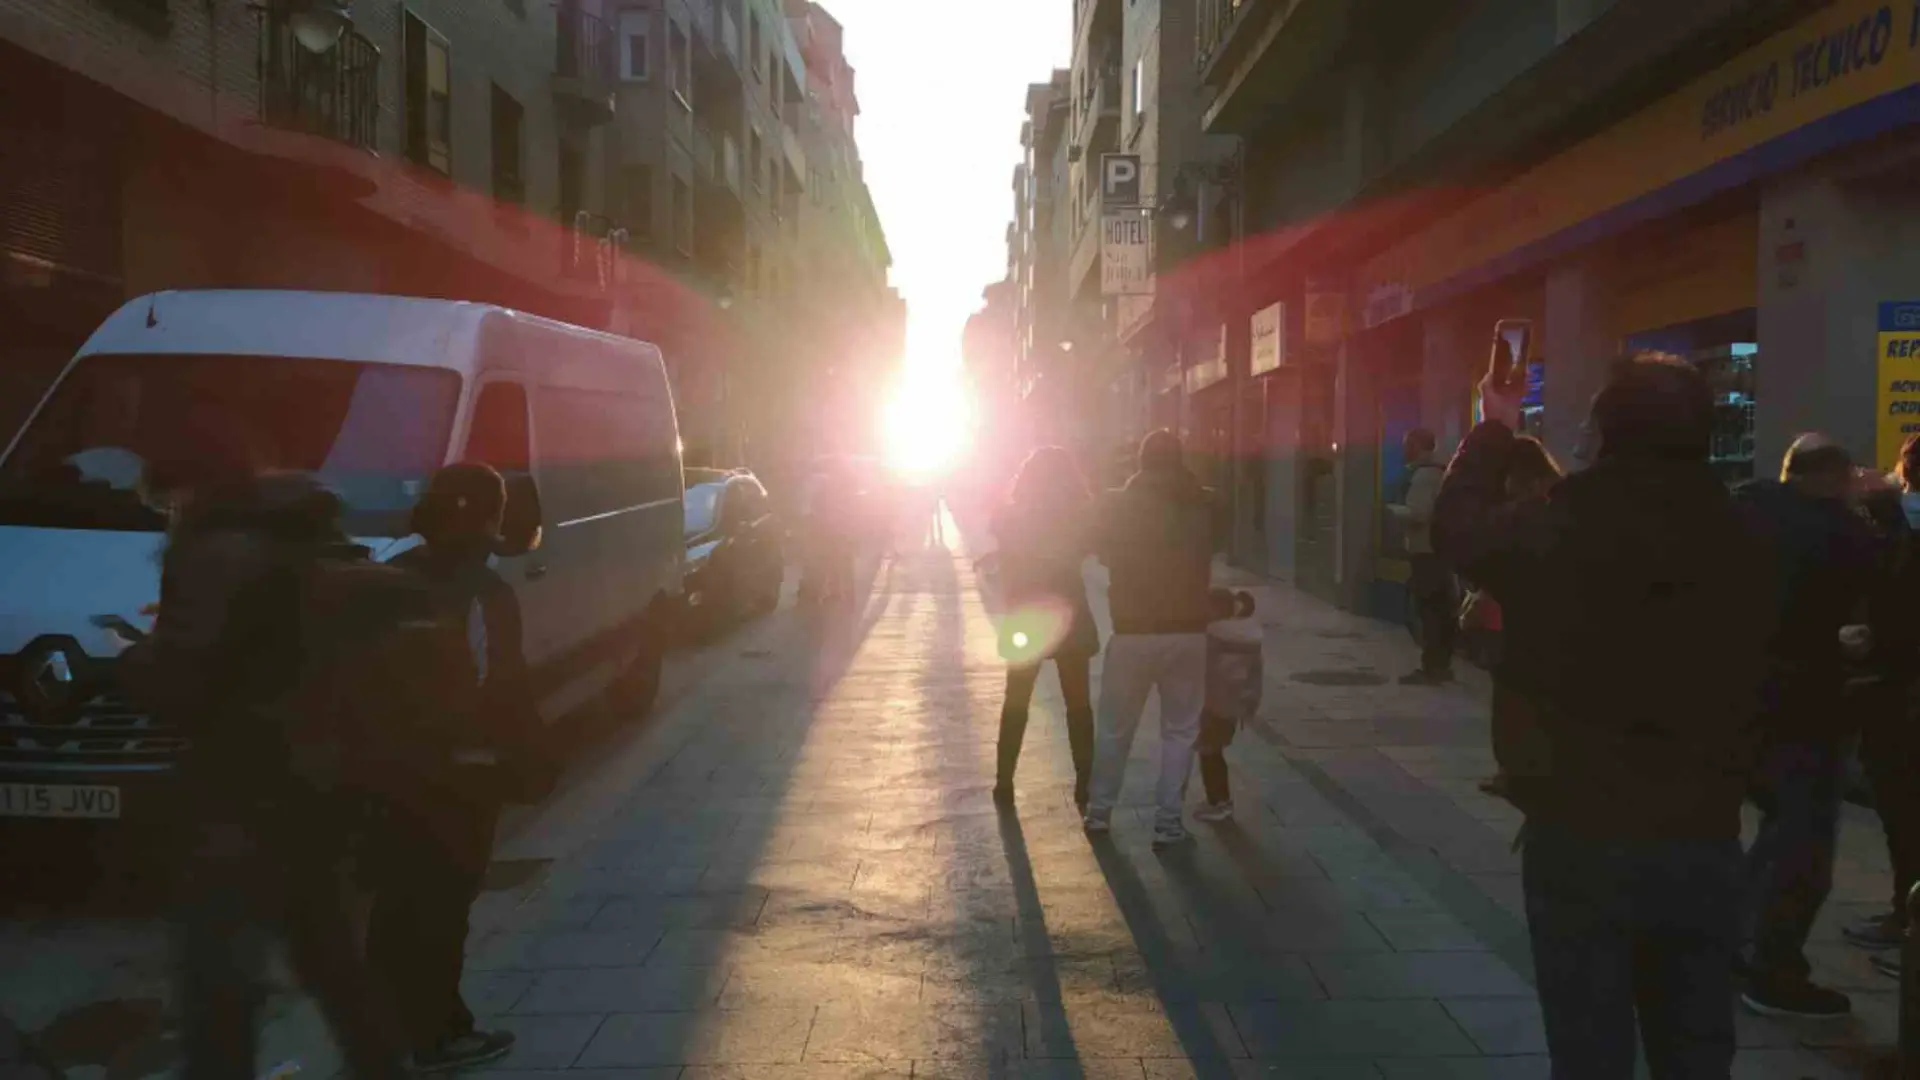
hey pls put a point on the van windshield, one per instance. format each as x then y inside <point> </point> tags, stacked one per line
<point>117,425</point>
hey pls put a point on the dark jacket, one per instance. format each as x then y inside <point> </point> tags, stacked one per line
<point>1893,602</point>
<point>1824,561</point>
<point>1041,559</point>
<point>1157,542</point>
<point>1636,610</point>
<point>506,723</point>
<point>225,654</point>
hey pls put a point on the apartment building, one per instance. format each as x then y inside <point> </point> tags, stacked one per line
<point>430,148</point>
<point>625,164</point>
<point>1731,182</point>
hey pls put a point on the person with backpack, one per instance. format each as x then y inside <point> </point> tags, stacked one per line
<point>1432,589</point>
<point>268,811</point>
<point>436,826</point>
<point>1638,605</point>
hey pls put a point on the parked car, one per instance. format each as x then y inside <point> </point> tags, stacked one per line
<point>369,394</point>
<point>736,562</point>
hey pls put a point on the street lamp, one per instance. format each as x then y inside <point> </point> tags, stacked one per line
<point>318,24</point>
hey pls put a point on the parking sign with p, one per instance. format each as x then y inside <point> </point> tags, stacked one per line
<point>1120,179</point>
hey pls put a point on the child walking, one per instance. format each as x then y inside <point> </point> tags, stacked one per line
<point>1234,676</point>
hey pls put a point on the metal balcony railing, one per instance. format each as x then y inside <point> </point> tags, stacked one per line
<point>333,94</point>
<point>1218,19</point>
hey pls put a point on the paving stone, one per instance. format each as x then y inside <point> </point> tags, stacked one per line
<point>1333,1069</point>
<point>1424,931</point>
<point>1500,1025</point>
<point>496,991</point>
<point>1417,975</point>
<point>623,990</point>
<point>720,910</point>
<point>538,951</point>
<point>860,1033</point>
<point>1222,977</point>
<point>1094,1028</point>
<point>761,1036</point>
<point>544,1042</point>
<point>753,985</point>
<point>1524,1067</point>
<point>787,1072</point>
<point>1327,1029</point>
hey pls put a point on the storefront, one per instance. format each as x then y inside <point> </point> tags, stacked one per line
<point>1754,222</point>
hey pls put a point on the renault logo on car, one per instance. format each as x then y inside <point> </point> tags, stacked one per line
<point>47,680</point>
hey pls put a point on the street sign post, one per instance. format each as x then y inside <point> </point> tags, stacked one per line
<point>1119,180</point>
<point>1126,253</point>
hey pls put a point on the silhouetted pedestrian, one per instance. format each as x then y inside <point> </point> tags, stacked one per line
<point>1825,561</point>
<point>1156,540</point>
<point>1044,538</point>
<point>434,836</point>
<point>1636,610</point>
<point>1432,587</point>
<point>270,816</point>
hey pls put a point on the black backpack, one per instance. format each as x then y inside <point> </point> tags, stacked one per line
<point>389,688</point>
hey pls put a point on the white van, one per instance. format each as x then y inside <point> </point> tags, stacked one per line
<point>370,394</point>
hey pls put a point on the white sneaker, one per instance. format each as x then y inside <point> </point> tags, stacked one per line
<point>1166,836</point>
<point>1100,824</point>
<point>1214,811</point>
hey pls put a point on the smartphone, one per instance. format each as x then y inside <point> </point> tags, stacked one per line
<point>1512,347</point>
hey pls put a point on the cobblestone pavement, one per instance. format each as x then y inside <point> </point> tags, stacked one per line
<point>796,872</point>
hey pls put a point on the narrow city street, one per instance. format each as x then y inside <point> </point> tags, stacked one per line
<point>794,870</point>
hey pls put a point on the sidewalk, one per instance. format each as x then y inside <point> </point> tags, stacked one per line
<point>799,874</point>
<point>1404,765</point>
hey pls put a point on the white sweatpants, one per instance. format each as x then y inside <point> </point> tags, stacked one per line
<point>1135,664</point>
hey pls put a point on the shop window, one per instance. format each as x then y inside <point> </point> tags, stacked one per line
<point>1726,352</point>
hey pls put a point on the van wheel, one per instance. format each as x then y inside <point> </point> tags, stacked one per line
<point>638,687</point>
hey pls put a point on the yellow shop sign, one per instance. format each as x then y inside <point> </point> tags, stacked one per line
<point>1848,54</point>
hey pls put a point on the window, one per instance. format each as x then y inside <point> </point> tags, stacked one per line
<point>429,96</point>
<point>682,217</point>
<point>508,120</point>
<point>636,55</point>
<point>121,426</point>
<point>601,453</point>
<point>498,433</point>
<point>637,199</point>
<point>756,162</point>
<point>679,64</point>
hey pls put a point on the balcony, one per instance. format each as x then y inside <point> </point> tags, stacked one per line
<point>1218,20</point>
<point>334,94</point>
<point>1100,112</point>
<point>585,66</point>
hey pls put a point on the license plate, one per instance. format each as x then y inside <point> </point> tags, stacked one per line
<point>59,801</point>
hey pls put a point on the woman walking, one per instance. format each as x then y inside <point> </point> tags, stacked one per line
<point>1043,534</point>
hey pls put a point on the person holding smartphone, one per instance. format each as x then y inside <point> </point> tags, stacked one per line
<point>1636,605</point>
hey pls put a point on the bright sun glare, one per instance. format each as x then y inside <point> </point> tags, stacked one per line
<point>928,423</point>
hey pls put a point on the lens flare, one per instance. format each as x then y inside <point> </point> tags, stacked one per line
<point>927,425</point>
